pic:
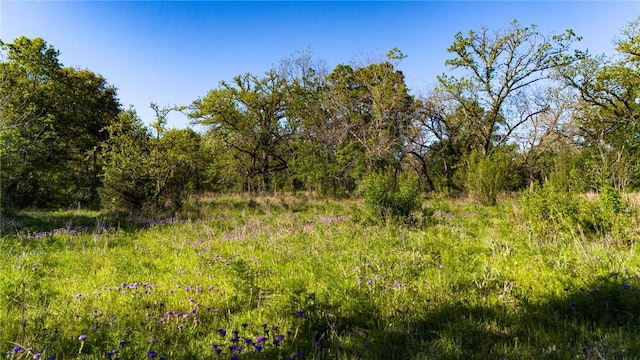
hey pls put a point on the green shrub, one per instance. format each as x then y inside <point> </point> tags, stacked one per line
<point>486,176</point>
<point>608,215</point>
<point>550,208</point>
<point>391,198</point>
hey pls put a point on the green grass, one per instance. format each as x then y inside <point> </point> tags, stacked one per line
<point>461,282</point>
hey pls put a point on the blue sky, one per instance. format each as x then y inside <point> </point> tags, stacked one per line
<point>174,52</point>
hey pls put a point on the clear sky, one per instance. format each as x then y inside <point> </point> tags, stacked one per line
<point>174,52</point>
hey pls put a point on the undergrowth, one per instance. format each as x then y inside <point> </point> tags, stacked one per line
<point>299,277</point>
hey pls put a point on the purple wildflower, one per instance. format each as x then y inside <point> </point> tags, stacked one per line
<point>82,337</point>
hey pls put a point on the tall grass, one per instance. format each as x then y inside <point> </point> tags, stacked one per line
<point>297,277</point>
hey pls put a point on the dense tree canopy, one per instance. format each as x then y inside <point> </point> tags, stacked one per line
<point>517,108</point>
<point>50,127</point>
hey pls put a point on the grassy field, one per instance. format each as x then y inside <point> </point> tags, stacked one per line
<point>295,277</point>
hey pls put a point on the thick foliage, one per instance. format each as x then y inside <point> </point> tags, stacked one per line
<point>552,210</point>
<point>391,198</point>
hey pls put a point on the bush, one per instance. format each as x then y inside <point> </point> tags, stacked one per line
<point>608,215</point>
<point>391,198</point>
<point>550,208</point>
<point>486,176</point>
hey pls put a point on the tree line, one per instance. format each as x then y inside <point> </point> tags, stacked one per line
<point>518,108</point>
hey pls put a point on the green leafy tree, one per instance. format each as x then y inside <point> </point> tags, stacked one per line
<point>502,71</point>
<point>180,167</point>
<point>372,108</point>
<point>313,140</point>
<point>493,99</point>
<point>607,119</point>
<point>249,114</point>
<point>50,127</point>
<point>128,182</point>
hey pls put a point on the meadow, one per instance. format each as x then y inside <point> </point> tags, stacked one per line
<point>297,277</point>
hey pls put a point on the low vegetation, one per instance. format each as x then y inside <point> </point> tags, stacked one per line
<point>239,277</point>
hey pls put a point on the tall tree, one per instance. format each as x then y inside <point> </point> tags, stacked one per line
<point>608,116</point>
<point>495,97</point>
<point>371,109</point>
<point>501,73</point>
<point>50,127</point>
<point>127,180</point>
<point>249,113</point>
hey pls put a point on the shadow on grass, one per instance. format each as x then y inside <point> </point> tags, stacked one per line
<point>598,321</point>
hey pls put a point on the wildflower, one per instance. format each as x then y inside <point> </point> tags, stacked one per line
<point>280,337</point>
<point>82,337</point>
<point>258,348</point>
<point>37,356</point>
<point>261,339</point>
<point>17,349</point>
<point>234,357</point>
<point>316,343</point>
<point>300,313</point>
<point>276,342</point>
<point>152,354</point>
<point>222,332</point>
<point>152,341</point>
